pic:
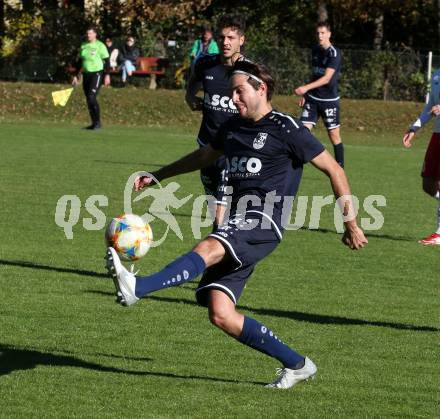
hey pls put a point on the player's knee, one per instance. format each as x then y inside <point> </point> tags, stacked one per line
<point>220,318</point>
<point>335,137</point>
<point>211,251</point>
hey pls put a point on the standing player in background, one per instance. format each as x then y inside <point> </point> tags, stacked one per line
<point>211,73</point>
<point>265,153</point>
<point>320,97</point>
<point>94,62</point>
<point>431,164</point>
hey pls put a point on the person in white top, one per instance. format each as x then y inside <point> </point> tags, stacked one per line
<point>431,164</point>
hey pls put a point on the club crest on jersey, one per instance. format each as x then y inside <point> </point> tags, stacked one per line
<point>260,140</point>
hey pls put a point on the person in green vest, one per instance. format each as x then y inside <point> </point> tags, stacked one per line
<point>94,64</point>
<point>204,45</point>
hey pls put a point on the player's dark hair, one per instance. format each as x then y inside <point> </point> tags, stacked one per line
<point>323,24</point>
<point>92,28</point>
<point>233,22</point>
<point>258,70</point>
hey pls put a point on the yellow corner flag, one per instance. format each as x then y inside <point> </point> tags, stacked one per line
<point>60,97</point>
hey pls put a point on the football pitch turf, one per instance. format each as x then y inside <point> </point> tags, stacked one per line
<point>369,319</point>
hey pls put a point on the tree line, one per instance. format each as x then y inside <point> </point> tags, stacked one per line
<point>370,24</point>
<point>276,30</point>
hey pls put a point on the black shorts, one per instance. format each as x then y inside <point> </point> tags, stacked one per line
<point>246,248</point>
<point>328,110</point>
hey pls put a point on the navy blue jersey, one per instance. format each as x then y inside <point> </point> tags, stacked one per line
<point>265,157</point>
<point>321,60</point>
<point>217,103</point>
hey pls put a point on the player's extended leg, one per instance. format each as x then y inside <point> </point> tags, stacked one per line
<point>222,313</point>
<point>185,268</point>
<point>432,187</point>
<point>338,148</point>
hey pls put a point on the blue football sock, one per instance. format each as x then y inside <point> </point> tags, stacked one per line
<point>262,339</point>
<point>339,154</point>
<point>182,270</point>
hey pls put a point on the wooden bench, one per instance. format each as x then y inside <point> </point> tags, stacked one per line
<point>148,66</point>
<point>151,65</point>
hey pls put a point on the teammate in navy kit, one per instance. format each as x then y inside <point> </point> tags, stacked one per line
<point>320,97</point>
<point>265,152</point>
<point>211,73</point>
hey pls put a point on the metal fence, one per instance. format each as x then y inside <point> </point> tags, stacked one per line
<point>31,69</point>
<point>366,74</point>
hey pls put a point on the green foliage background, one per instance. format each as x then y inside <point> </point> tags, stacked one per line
<point>41,40</point>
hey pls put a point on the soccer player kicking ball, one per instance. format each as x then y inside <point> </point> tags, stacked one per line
<point>211,74</point>
<point>431,165</point>
<point>265,152</point>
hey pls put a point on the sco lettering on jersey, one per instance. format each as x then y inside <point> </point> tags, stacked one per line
<point>243,166</point>
<point>219,103</point>
<point>218,107</point>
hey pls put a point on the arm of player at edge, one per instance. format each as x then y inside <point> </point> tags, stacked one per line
<point>353,236</point>
<point>194,102</point>
<point>428,111</point>
<point>196,160</point>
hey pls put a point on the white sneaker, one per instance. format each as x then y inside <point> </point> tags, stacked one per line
<point>109,267</point>
<point>288,378</point>
<point>125,281</point>
<point>119,296</point>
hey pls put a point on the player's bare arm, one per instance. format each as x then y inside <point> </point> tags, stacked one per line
<point>423,118</point>
<point>196,160</point>
<point>354,236</point>
<point>431,109</point>
<point>407,139</point>
<point>322,81</point>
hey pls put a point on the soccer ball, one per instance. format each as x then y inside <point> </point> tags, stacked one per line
<point>130,236</point>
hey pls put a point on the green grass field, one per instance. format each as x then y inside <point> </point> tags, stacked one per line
<point>369,319</point>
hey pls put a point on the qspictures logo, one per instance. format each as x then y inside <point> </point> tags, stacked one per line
<point>162,203</point>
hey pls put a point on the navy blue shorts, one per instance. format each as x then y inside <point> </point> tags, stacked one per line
<point>246,248</point>
<point>328,110</point>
